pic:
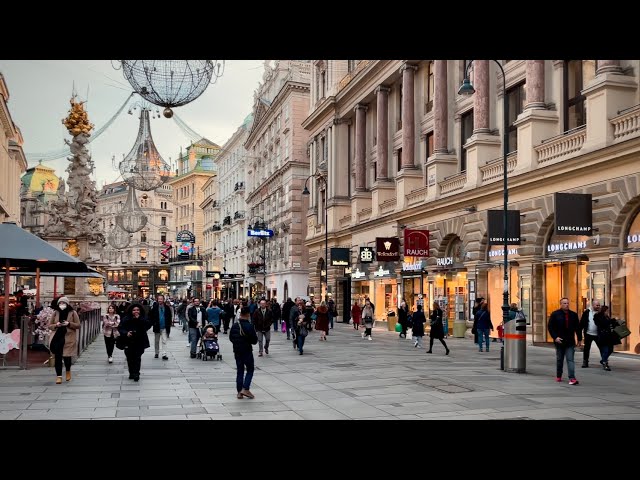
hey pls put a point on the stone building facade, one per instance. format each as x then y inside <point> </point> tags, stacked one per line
<point>39,186</point>
<point>405,151</point>
<point>276,169</point>
<point>142,268</point>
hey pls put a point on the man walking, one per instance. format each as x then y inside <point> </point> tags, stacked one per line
<point>563,327</point>
<point>262,321</point>
<point>286,312</point>
<point>197,315</point>
<point>243,336</point>
<point>162,319</point>
<point>590,331</point>
<point>294,313</point>
<point>276,312</point>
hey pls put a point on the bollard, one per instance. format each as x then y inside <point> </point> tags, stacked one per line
<point>515,337</point>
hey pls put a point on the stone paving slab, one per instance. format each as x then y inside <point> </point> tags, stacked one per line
<point>343,378</point>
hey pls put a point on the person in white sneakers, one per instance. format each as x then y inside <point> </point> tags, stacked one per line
<point>110,324</point>
<point>367,316</point>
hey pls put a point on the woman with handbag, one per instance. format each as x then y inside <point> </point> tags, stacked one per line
<point>64,323</point>
<point>134,328</point>
<point>437,328</point>
<point>110,324</point>
<point>322,320</point>
<point>367,315</point>
<point>607,338</point>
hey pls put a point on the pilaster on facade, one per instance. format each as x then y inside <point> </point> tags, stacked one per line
<point>481,148</point>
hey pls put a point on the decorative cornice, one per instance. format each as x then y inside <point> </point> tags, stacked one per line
<point>382,88</point>
<point>407,66</point>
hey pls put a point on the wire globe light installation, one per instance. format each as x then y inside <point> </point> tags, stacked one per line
<point>131,218</point>
<point>171,83</point>
<point>143,168</point>
<point>118,238</point>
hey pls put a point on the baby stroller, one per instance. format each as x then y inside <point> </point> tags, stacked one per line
<point>209,346</point>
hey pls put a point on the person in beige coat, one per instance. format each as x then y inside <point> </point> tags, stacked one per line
<point>63,325</point>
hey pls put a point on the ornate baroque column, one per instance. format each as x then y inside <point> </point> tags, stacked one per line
<point>361,147</point>
<point>608,66</point>
<point>440,114</point>
<point>383,132</point>
<point>535,84</point>
<point>408,116</point>
<point>481,97</point>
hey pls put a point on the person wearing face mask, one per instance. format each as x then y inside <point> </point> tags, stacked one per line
<point>64,323</point>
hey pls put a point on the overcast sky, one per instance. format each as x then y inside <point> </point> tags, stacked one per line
<point>39,99</point>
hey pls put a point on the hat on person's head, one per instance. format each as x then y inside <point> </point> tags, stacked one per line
<point>308,304</point>
<point>63,300</point>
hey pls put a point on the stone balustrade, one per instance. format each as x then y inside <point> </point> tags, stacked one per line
<point>388,206</point>
<point>453,184</point>
<point>627,124</point>
<point>416,196</point>
<point>345,221</point>
<point>561,146</point>
<point>494,169</point>
<point>364,215</point>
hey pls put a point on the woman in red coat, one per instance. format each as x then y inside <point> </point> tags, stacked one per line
<point>322,320</point>
<point>356,315</point>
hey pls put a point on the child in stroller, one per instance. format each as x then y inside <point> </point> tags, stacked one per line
<point>209,346</point>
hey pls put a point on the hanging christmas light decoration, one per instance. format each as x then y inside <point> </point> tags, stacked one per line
<point>143,168</point>
<point>131,219</point>
<point>171,83</point>
<point>118,238</point>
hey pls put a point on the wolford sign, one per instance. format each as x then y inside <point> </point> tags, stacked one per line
<point>416,243</point>
<point>412,267</point>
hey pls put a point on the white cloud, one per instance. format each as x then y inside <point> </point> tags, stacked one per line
<point>39,99</point>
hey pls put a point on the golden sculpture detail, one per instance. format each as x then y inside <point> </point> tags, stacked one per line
<point>96,285</point>
<point>72,248</point>
<point>78,121</point>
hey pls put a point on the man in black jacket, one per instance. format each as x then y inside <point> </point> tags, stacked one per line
<point>197,315</point>
<point>563,327</point>
<point>286,312</point>
<point>276,313</point>
<point>162,319</point>
<point>262,321</point>
<point>243,336</point>
<point>590,331</point>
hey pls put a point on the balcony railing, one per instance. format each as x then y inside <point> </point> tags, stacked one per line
<point>417,196</point>
<point>561,145</point>
<point>627,124</point>
<point>216,228</point>
<point>239,187</point>
<point>345,221</point>
<point>494,169</point>
<point>388,206</point>
<point>239,215</point>
<point>453,183</point>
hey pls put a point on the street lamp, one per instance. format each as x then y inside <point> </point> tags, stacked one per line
<point>322,178</point>
<point>224,259</point>
<point>467,89</point>
<point>258,226</point>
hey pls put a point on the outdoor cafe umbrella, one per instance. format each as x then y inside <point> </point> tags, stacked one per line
<point>23,251</point>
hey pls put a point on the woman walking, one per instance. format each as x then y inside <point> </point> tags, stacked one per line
<point>64,323</point>
<point>367,315</point>
<point>403,314</point>
<point>437,328</point>
<point>418,326</point>
<point>483,325</point>
<point>607,338</point>
<point>322,320</point>
<point>356,314</point>
<point>110,324</point>
<point>134,327</point>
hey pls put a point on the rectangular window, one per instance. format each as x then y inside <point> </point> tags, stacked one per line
<point>143,254</point>
<point>399,159</point>
<point>399,123</point>
<point>143,237</point>
<point>515,106</point>
<point>429,145</point>
<point>163,236</point>
<point>576,75</point>
<point>431,87</point>
<point>466,130</point>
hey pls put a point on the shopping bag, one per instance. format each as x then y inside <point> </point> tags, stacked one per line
<point>398,327</point>
<point>622,331</point>
<point>283,328</point>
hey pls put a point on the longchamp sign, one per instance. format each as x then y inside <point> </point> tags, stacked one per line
<point>573,214</point>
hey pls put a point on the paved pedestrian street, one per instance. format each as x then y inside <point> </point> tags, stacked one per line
<point>344,378</point>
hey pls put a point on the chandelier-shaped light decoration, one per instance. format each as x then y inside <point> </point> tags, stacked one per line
<point>143,168</point>
<point>118,238</point>
<point>131,219</point>
<point>171,83</point>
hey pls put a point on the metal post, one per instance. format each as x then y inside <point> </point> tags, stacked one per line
<point>264,265</point>
<point>24,336</point>
<point>326,240</point>
<point>7,280</point>
<point>37,287</point>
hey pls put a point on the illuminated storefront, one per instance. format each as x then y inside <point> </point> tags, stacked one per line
<point>415,283</point>
<point>385,291</point>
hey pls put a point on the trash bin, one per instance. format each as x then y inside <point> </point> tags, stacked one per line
<point>391,321</point>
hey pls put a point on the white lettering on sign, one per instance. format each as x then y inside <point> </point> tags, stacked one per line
<point>412,267</point>
<point>296,264</point>
<point>444,261</point>
<point>500,253</point>
<point>366,255</point>
<point>339,263</point>
<point>562,247</point>
<point>358,274</point>
<point>635,238</point>
<point>563,228</point>
<point>380,272</point>
<point>501,239</point>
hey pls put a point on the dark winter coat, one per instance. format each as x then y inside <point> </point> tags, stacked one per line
<point>418,323</point>
<point>286,309</point>
<point>322,319</point>
<point>483,320</point>
<point>192,313</point>
<point>437,327</point>
<point>403,313</point>
<point>276,311</point>
<point>154,317</point>
<point>262,323</point>
<point>139,326</point>
<point>243,335</point>
<point>557,327</point>
<point>606,335</point>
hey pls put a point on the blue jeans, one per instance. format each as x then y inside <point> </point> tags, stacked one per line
<point>300,342</point>
<point>483,332</point>
<point>561,353</point>
<point>194,335</point>
<point>275,324</point>
<point>330,320</point>
<point>244,360</point>
<point>605,352</point>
